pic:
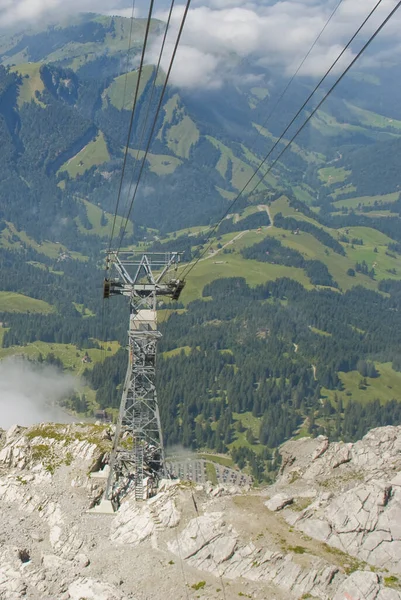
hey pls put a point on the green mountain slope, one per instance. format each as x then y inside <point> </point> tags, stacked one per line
<point>319,237</point>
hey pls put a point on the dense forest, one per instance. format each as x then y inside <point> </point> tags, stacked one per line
<point>251,350</point>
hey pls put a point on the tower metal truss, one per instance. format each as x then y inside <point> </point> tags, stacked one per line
<point>137,457</point>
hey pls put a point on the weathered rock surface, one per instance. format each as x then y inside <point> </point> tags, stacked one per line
<point>279,501</point>
<point>208,544</point>
<point>92,590</point>
<point>334,511</point>
<point>363,585</point>
<point>362,514</point>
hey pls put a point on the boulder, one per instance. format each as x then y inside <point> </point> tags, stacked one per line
<point>278,502</point>
<point>91,589</point>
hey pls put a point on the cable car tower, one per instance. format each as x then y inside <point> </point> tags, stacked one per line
<point>137,457</point>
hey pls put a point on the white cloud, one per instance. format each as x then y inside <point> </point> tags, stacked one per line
<point>29,393</point>
<point>270,33</point>
<point>274,34</point>
<point>20,11</point>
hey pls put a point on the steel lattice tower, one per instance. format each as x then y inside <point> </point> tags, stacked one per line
<point>137,457</point>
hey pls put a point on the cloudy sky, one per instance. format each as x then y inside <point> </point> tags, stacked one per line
<point>220,33</point>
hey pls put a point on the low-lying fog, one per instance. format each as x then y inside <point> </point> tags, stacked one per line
<point>29,393</point>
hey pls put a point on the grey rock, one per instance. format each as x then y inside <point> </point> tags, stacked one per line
<point>347,496</point>
<point>91,589</point>
<point>316,528</point>
<point>278,502</point>
<point>364,585</point>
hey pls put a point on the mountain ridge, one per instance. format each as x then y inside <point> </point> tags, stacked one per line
<point>328,233</point>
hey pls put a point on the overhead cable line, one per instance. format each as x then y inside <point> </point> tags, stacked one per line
<point>301,64</point>
<point>156,74</point>
<point>189,268</point>
<point>123,105</point>
<point>341,77</point>
<point>155,118</point>
<point>129,134</point>
<point>132,118</point>
<point>128,53</point>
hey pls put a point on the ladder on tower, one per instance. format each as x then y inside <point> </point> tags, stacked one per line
<point>138,452</point>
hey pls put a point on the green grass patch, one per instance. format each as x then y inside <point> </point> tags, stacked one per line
<point>222,164</point>
<point>161,164</point>
<point>250,156</point>
<point>346,189</point>
<point>115,92</point>
<point>17,240</point>
<point>181,137</point>
<point>372,119</point>
<point>320,331</point>
<point>248,421</point>
<point>211,473</point>
<point>225,193</point>
<point>330,127</point>
<point>370,236</point>
<point>94,214</point>
<point>163,315</point>
<point>169,108</point>
<point>385,387</point>
<point>79,61</point>
<point>312,249</point>
<point>241,170</point>
<point>281,205</point>
<point>2,332</point>
<point>330,175</point>
<point>385,266</point>
<point>303,194</point>
<point>93,154</point>
<point>183,134</point>
<point>18,303</point>
<point>70,355</point>
<point>242,442</point>
<point>337,264</point>
<point>225,461</point>
<point>308,156</point>
<point>392,582</point>
<point>234,265</point>
<point>57,432</point>
<point>366,200</point>
<point>297,549</point>
<point>198,586</point>
<point>31,82</point>
<point>177,352</point>
<point>79,53</point>
<point>85,312</point>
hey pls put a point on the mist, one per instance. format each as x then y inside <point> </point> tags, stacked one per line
<point>30,392</point>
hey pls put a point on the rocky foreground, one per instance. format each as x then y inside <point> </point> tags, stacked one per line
<point>329,528</point>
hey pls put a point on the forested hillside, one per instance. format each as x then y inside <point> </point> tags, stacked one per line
<point>288,324</point>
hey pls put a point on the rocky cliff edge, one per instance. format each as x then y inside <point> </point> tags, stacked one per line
<point>328,528</point>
